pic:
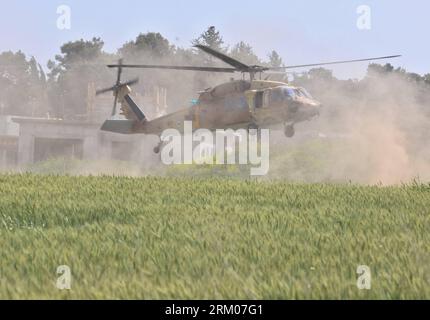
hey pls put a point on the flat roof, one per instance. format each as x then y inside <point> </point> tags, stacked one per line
<point>46,121</point>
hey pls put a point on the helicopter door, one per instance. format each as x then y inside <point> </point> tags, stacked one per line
<point>258,100</point>
<point>261,104</point>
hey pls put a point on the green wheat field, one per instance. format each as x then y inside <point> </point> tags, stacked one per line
<point>207,238</point>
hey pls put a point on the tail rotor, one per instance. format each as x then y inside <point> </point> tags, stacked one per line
<point>118,85</point>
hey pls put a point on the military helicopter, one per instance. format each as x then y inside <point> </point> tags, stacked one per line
<point>249,104</point>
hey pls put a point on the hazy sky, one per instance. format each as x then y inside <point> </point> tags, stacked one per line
<point>302,31</point>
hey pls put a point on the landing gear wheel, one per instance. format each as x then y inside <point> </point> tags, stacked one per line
<point>289,131</point>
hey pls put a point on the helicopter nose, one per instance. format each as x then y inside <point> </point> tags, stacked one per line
<point>313,110</point>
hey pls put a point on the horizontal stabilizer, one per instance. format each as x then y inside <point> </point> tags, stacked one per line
<point>119,126</point>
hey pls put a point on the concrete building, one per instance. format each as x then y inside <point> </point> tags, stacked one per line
<point>43,139</point>
<point>9,134</point>
<point>25,141</point>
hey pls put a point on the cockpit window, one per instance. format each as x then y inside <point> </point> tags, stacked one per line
<point>281,94</point>
<point>290,93</point>
<point>299,93</point>
<point>303,93</point>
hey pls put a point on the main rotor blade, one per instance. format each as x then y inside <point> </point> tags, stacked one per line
<point>145,66</point>
<point>334,62</point>
<point>229,60</point>
<point>128,83</point>
<point>131,82</point>
<point>98,92</point>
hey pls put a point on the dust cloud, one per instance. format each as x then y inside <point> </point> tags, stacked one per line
<point>371,131</point>
<point>374,131</point>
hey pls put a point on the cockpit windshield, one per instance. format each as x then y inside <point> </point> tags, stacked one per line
<point>303,93</point>
<point>281,94</point>
<point>289,92</point>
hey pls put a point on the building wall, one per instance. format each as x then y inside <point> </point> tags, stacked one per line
<point>8,151</point>
<point>94,143</point>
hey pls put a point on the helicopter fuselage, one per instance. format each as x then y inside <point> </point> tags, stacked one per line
<point>236,104</point>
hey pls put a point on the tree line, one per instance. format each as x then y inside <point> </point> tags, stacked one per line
<point>26,90</point>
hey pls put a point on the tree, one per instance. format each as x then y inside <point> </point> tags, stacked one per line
<point>321,74</point>
<point>275,59</point>
<point>80,63</point>
<point>22,85</point>
<point>76,53</point>
<point>414,77</point>
<point>377,69</point>
<point>244,53</point>
<point>211,38</point>
<point>149,45</point>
